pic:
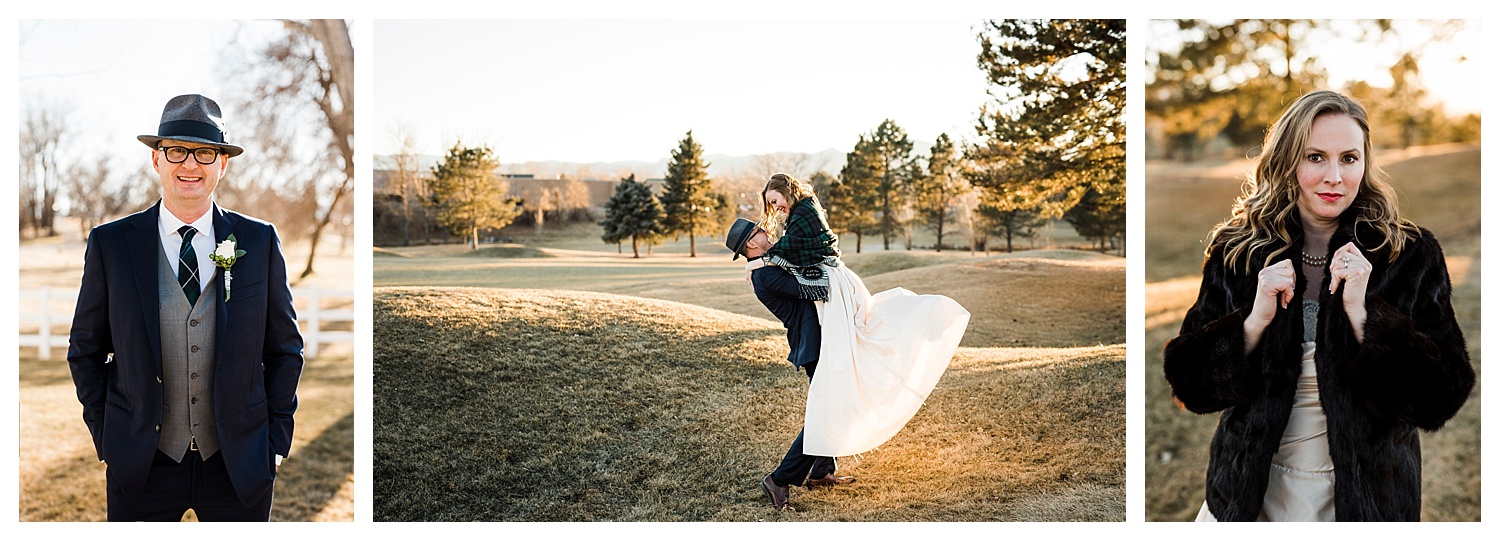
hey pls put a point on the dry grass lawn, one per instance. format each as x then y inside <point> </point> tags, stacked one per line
<point>1046,298</point>
<point>546,405</point>
<point>62,480</point>
<point>1028,302</point>
<point>591,386</point>
<point>1438,189</point>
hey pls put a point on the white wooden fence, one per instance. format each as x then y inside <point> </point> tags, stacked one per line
<point>47,307</point>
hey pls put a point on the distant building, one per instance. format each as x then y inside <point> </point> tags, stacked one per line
<point>600,190</point>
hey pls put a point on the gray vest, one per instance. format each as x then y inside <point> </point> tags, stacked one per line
<point>187,364</point>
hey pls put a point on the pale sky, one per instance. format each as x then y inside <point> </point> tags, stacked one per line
<point>612,90</point>
<point>115,76</point>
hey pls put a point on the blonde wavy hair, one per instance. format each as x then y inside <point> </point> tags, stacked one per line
<point>1268,199</point>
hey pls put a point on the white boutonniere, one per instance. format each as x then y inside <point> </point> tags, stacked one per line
<point>224,256</point>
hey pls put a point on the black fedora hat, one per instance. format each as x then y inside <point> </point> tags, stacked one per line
<point>192,118</point>
<point>739,234</point>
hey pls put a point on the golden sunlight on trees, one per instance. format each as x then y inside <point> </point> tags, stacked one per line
<point>687,195</point>
<point>1055,136</point>
<point>871,194</point>
<point>936,191</point>
<point>469,195</point>
<point>1218,84</point>
<point>851,196</point>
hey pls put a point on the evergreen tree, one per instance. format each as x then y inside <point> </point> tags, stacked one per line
<point>935,192</point>
<point>1202,90</point>
<point>888,155</point>
<point>1057,130</point>
<point>851,197</point>
<point>633,212</point>
<point>1094,218</point>
<point>687,196</point>
<point>1007,218</point>
<point>822,182</point>
<point>468,193</point>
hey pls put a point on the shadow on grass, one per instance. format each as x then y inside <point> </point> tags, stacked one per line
<point>561,406</point>
<point>316,473</point>
<point>62,480</point>
<point>75,488</point>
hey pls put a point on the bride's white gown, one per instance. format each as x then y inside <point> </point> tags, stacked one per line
<point>880,358</point>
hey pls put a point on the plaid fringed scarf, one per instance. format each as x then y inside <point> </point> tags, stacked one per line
<point>805,246</point>
<point>812,278</point>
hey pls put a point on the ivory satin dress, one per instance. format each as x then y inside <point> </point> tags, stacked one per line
<point>881,357</point>
<point>1301,483</point>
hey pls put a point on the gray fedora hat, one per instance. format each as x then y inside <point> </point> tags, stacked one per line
<point>192,118</point>
<point>739,233</point>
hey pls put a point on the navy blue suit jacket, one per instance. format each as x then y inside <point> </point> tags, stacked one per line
<point>778,290</point>
<point>257,356</point>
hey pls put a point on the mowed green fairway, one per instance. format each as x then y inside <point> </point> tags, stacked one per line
<point>588,386</point>
<point>1439,190</point>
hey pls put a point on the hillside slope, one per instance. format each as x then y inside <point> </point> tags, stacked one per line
<point>1016,301</point>
<point>541,405</point>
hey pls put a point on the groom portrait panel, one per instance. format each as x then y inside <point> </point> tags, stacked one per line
<point>184,348</point>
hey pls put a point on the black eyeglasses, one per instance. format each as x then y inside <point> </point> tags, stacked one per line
<point>205,155</point>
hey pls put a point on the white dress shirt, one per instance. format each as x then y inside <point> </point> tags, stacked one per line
<point>203,242</point>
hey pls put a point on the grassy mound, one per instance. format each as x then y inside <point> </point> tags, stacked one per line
<point>1059,255</point>
<point>1019,302</point>
<point>541,405</point>
<point>1015,302</point>
<point>876,263</point>
<point>505,251</point>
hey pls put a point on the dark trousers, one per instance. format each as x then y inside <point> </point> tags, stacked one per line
<point>172,488</point>
<point>796,467</point>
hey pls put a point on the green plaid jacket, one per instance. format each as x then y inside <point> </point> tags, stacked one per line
<point>807,240</point>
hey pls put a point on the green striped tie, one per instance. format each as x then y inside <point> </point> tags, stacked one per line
<point>187,266</point>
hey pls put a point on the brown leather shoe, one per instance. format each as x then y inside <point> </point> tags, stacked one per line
<point>828,481</point>
<point>777,493</point>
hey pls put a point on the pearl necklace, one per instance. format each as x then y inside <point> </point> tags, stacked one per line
<point>1316,261</point>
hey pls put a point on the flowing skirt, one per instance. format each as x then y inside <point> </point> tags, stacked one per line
<point>881,356</point>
